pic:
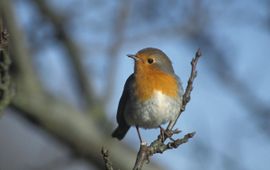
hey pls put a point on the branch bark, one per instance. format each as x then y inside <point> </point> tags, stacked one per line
<point>108,163</point>
<point>5,62</point>
<point>157,146</point>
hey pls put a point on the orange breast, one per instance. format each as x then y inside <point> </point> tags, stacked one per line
<point>148,80</point>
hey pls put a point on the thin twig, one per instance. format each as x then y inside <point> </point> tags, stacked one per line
<point>189,88</point>
<point>193,74</point>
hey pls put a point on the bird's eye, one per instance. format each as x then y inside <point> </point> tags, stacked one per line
<point>150,60</point>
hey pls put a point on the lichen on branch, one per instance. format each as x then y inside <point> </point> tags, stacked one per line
<point>5,89</point>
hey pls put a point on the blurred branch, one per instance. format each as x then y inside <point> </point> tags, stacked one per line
<point>84,86</point>
<point>25,75</point>
<point>74,129</point>
<point>5,81</point>
<point>57,163</point>
<point>117,39</point>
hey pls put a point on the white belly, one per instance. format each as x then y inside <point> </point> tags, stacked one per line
<point>159,109</point>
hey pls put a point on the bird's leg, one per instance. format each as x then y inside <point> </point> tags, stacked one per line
<point>169,129</point>
<point>139,134</point>
<point>166,134</point>
<point>162,135</point>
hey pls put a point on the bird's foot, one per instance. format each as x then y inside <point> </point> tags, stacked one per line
<point>164,134</point>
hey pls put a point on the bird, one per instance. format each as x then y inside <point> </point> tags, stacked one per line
<point>152,95</point>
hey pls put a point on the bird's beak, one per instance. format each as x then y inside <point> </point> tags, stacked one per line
<point>133,57</point>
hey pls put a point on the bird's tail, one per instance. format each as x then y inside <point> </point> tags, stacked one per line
<point>120,132</point>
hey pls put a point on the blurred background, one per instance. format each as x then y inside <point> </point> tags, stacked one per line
<point>69,67</point>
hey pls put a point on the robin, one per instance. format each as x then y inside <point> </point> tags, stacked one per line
<point>152,95</point>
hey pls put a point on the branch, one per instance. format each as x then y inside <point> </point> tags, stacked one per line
<point>73,129</point>
<point>105,155</point>
<point>5,82</point>
<point>21,58</point>
<point>74,53</point>
<point>189,88</point>
<point>193,74</point>
<point>159,145</point>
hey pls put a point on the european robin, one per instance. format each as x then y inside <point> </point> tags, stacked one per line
<point>152,95</point>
